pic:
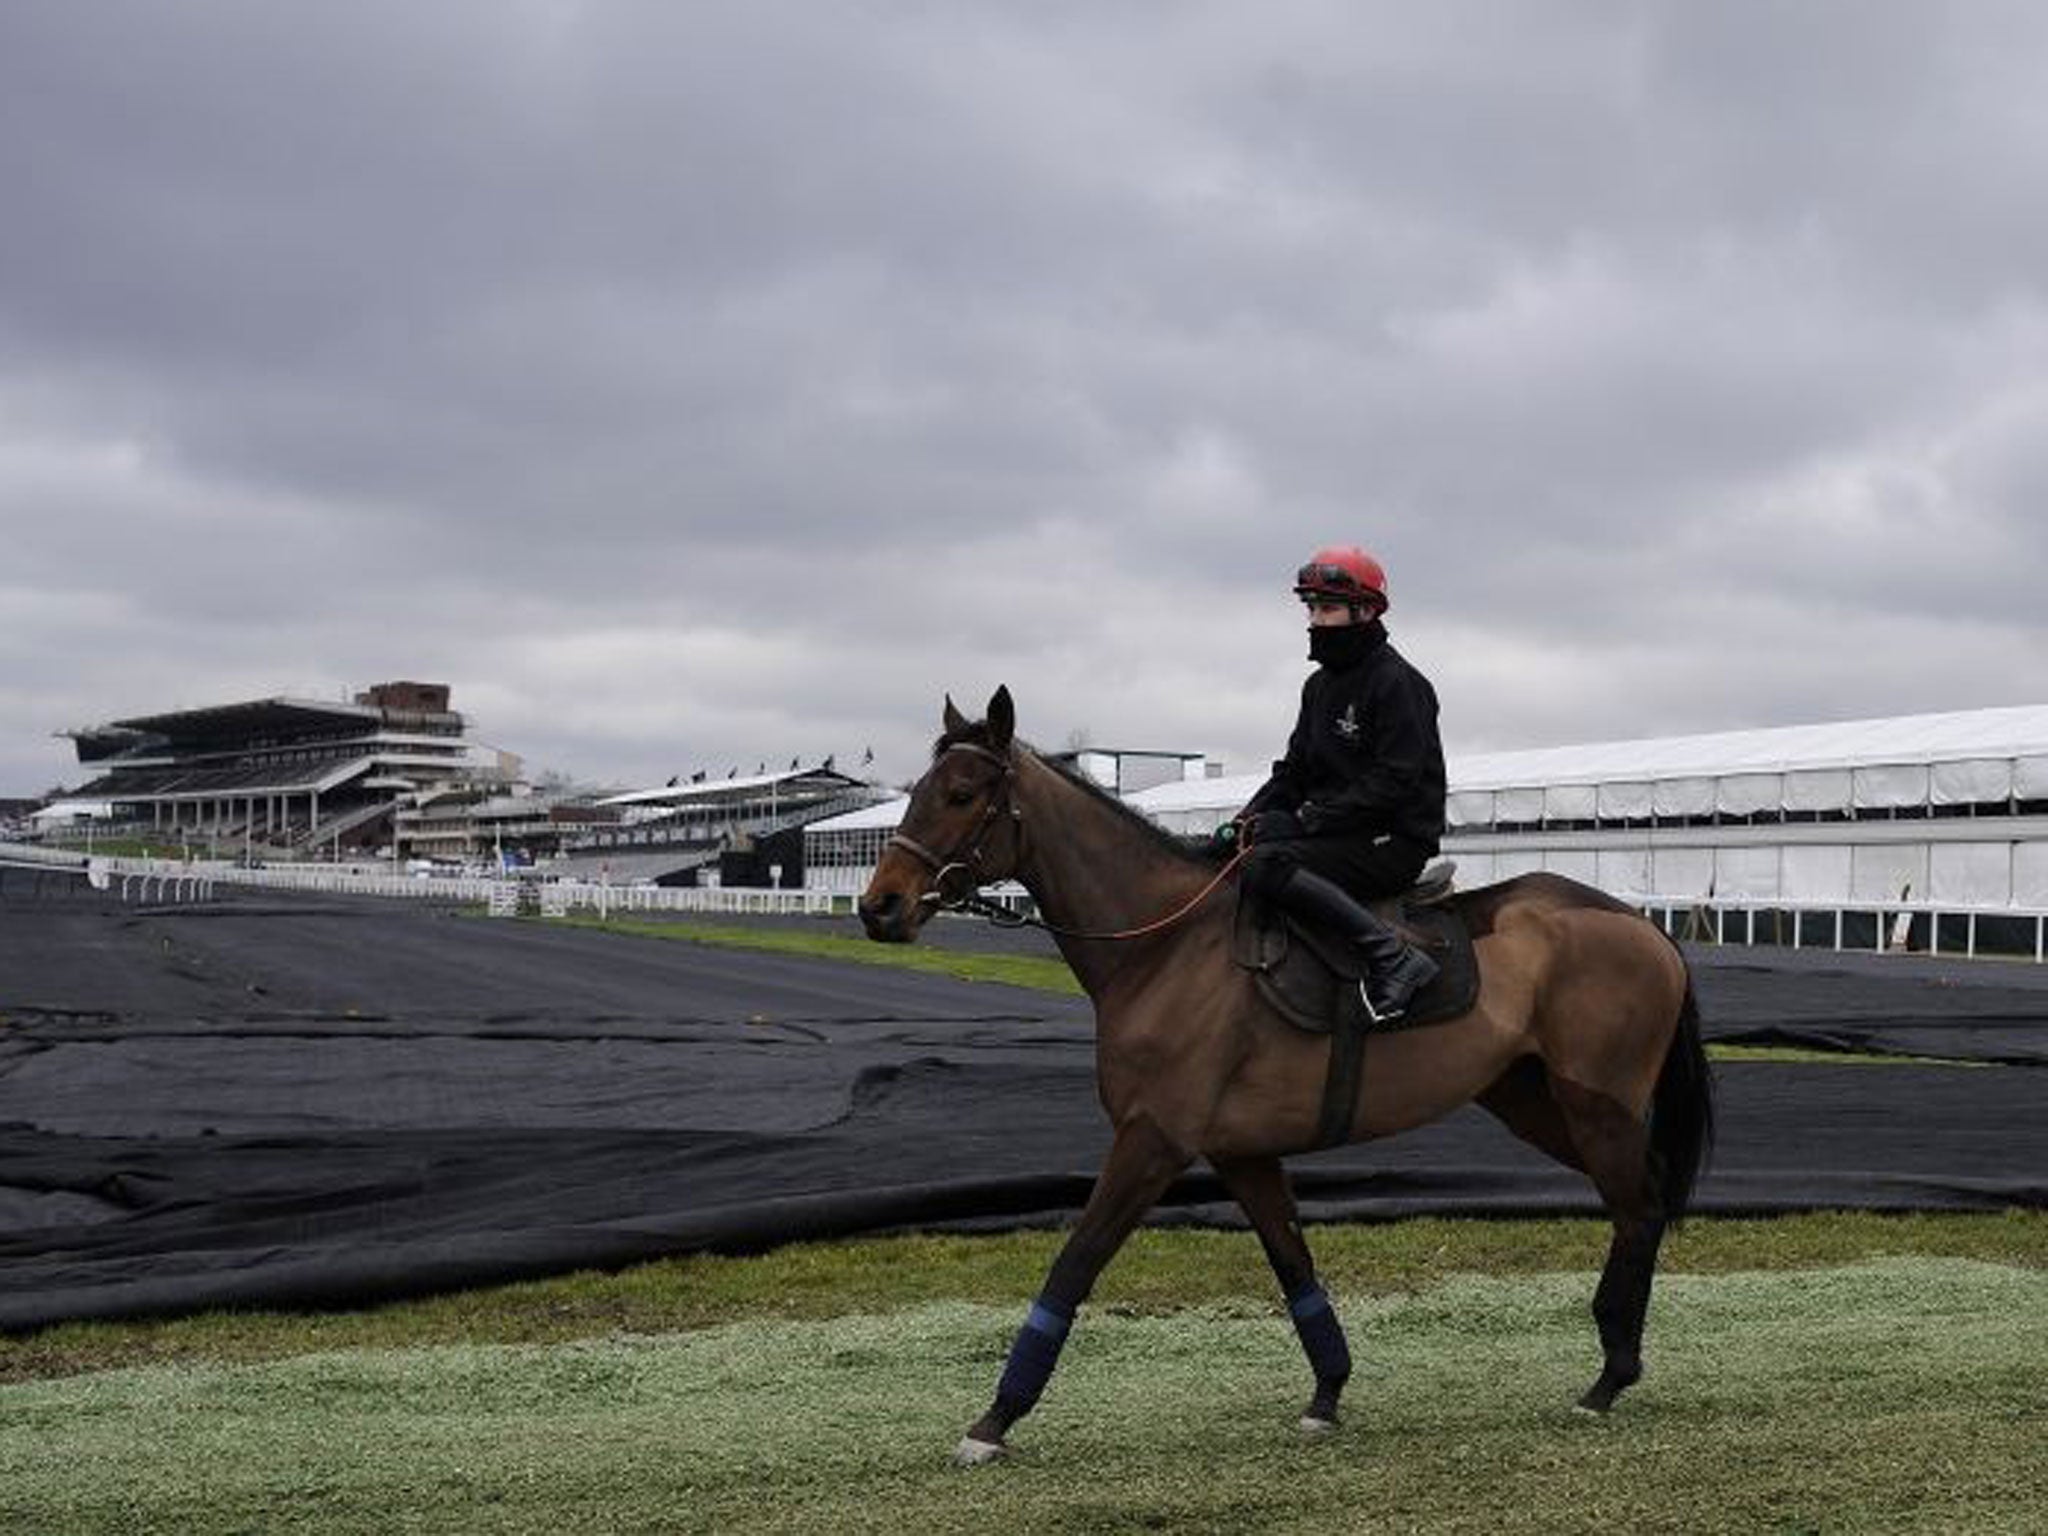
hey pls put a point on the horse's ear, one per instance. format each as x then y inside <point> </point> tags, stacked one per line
<point>1002,719</point>
<point>954,720</point>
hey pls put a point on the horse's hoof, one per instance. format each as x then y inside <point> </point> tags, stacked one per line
<point>1313,1424</point>
<point>1600,1396</point>
<point>971,1452</point>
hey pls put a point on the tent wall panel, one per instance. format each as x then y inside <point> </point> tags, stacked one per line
<point>1681,871</point>
<point>1891,785</point>
<point>1744,794</point>
<point>1818,789</point>
<point>2030,875</point>
<point>1625,802</point>
<point>1815,872</point>
<point>1684,797</point>
<point>1974,781</point>
<point>1746,872</point>
<point>1970,874</point>
<point>1518,805</point>
<point>1570,802</point>
<point>1882,871</point>
<point>1469,808</point>
<point>1624,871</point>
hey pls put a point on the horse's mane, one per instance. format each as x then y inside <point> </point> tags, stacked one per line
<point>1169,843</point>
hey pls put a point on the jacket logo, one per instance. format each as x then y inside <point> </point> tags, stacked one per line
<point>1346,724</point>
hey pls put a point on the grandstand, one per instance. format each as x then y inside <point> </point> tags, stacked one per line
<point>286,773</point>
<point>1926,831</point>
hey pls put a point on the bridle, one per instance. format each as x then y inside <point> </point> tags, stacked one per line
<point>967,860</point>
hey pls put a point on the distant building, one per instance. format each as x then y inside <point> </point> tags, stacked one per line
<point>740,830</point>
<point>292,774</point>
<point>1128,770</point>
<point>501,824</point>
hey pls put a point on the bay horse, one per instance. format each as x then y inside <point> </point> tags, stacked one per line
<point>1584,1041</point>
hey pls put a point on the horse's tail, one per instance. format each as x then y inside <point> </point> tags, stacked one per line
<point>1682,1111</point>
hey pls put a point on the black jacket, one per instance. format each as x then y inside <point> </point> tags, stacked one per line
<point>1364,757</point>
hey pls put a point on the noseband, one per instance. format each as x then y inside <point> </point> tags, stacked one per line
<point>967,858</point>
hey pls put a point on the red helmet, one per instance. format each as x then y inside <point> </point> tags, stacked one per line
<point>1345,573</point>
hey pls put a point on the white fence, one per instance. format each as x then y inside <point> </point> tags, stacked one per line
<point>160,882</point>
<point>170,879</point>
<point>1881,927</point>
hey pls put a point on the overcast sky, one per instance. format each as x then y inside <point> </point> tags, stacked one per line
<point>696,385</point>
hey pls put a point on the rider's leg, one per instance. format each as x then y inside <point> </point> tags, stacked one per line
<point>1282,872</point>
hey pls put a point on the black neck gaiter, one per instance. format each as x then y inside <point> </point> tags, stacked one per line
<point>1339,646</point>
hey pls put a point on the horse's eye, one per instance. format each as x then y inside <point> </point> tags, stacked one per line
<point>962,796</point>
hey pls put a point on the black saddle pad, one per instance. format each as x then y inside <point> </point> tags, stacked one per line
<point>1310,975</point>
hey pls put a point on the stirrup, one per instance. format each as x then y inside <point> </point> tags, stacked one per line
<point>1372,1014</point>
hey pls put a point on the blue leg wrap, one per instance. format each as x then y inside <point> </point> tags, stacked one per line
<point>1033,1356</point>
<point>1322,1336</point>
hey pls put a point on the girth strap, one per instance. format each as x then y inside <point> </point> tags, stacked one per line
<point>1347,1071</point>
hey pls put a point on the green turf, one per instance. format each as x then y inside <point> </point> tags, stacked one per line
<point>1157,1271</point>
<point>1042,972</point>
<point>1888,1396</point>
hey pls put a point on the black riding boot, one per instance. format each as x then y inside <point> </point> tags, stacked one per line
<point>1395,969</point>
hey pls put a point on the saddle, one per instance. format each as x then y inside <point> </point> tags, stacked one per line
<point>1312,977</point>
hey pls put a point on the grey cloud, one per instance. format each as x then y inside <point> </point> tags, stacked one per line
<point>721,380</point>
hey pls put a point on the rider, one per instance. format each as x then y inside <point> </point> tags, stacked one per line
<point>1355,808</point>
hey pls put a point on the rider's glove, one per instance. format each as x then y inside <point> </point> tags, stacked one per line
<point>1275,827</point>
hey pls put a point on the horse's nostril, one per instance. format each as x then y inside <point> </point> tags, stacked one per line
<point>882,910</point>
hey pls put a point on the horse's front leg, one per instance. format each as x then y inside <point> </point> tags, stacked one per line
<point>1260,1186</point>
<point>1142,1162</point>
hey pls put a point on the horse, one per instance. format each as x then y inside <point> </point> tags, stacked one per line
<point>1584,1040</point>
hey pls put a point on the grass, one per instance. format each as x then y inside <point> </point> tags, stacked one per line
<point>1040,972</point>
<point>825,1387</point>
<point>1158,1271</point>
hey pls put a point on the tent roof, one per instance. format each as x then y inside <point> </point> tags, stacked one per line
<point>742,787</point>
<point>886,814</point>
<point>2020,731</point>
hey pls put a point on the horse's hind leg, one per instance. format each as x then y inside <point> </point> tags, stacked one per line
<point>1614,1148</point>
<point>1260,1186</point>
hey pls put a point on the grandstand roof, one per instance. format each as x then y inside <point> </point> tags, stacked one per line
<point>251,717</point>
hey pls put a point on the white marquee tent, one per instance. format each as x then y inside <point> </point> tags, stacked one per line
<point>1941,812</point>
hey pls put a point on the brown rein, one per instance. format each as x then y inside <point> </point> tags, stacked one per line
<point>1158,925</point>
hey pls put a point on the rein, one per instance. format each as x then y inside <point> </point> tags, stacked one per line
<point>967,861</point>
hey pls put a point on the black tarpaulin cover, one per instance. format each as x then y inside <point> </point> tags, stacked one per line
<point>324,1105</point>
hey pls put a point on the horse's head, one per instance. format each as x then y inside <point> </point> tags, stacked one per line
<point>960,830</point>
